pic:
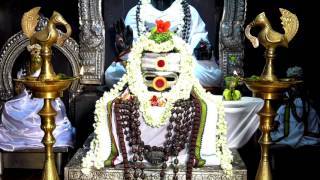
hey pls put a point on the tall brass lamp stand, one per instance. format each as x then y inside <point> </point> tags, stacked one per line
<point>48,85</point>
<point>268,86</point>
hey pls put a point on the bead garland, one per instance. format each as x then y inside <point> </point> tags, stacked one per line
<point>182,131</point>
<point>183,32</point>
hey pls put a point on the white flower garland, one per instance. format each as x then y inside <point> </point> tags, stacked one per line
<point>100,146</point>
<point>154,47</point>
<point>222,149</point>
<point>97,154</point>
<point>181,90</point>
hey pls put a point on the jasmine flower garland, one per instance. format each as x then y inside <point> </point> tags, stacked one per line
<point>222,149</point>
<point>137,87</point>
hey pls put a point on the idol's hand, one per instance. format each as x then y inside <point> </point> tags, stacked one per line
<point>124,36</point>
<point>203,50</point>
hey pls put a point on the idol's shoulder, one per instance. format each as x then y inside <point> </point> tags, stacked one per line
<point>132,11</point>
<point>193,11</point>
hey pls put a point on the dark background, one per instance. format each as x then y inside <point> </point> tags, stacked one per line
<point>302,52</point>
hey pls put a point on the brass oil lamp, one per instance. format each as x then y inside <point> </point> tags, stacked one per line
<point>47,85</point>
<point>268,86</point>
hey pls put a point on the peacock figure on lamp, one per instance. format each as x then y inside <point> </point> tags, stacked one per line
<point>47,84</point>
<point>272,39</point>
<point>268,86</point>
<point>45,38</point>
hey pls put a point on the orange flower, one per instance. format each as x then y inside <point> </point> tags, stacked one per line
<point>154,101</point>
<point>162,27</point>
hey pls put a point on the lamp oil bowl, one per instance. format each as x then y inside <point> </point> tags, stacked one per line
<point>269,89</point>
<point>50,89</point>
<point>47,84</point>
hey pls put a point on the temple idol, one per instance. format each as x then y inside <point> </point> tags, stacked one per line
<point>157,89</point>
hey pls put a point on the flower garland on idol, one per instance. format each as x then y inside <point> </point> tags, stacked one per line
<point>159,40</point>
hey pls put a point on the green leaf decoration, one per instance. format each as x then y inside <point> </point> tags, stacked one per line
<point>233,58</point>
<point>160,37</point>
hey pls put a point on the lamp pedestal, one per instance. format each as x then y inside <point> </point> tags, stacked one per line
<point>268,91</point>
<point>48,90</point>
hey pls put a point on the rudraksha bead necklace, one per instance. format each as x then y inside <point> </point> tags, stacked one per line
<point>182,131</point>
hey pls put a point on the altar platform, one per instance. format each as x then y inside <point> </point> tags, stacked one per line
<point>73,171</point>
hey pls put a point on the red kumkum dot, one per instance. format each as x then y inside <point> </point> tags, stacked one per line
<point>160,83</point>
<point>161,63</point>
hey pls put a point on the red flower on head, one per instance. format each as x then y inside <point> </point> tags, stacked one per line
<point>162,27</point>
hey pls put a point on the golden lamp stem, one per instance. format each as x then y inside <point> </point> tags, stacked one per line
<point>268,70</point>
<point>48,114</point>
<point>267,115</point>
<point>47,72</point>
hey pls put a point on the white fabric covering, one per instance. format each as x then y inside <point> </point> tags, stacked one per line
<point>296,136</point>
<point>242,121</point>
<point>20,126</point>
<point>172,61</point>
<point>207,71</point>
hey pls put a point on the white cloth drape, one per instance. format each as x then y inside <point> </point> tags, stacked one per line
<point>20,126</point>
<point>296,136</point>
<point>242,120</point>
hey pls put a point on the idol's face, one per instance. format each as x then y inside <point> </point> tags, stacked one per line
<point>158,72</point>
<point>162,4</point>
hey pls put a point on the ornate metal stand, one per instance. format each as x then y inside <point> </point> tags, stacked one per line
<point>268,87</point>
<point>48,85</point>
<point>47,114</point>
<point>48,90</point>
<point>268,91</point>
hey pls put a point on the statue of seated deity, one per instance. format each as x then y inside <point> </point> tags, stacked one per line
<point>158,114</point>
<point>185,23</point>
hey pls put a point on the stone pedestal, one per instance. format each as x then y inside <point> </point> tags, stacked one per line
<point>73,171</point>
